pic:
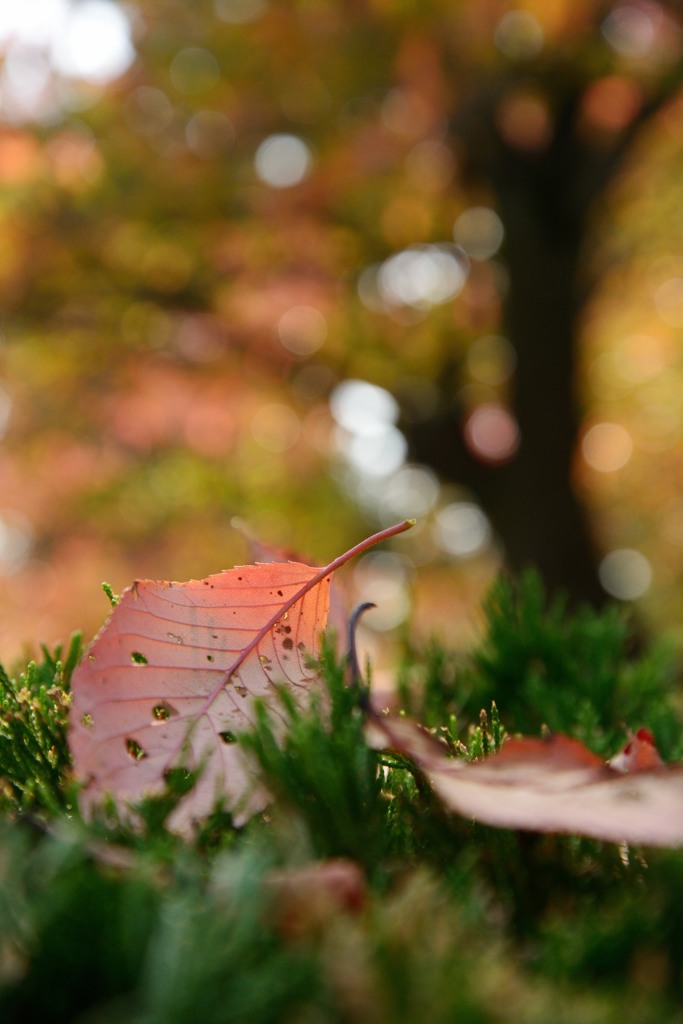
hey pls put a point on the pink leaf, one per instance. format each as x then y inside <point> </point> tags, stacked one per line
<point>339,609</point>
<point>549,785</point>
<point>172,677</point>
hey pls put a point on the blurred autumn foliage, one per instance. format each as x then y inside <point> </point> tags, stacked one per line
<point>323,264</point>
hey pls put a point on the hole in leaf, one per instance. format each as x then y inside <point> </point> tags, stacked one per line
<point>162,712</point>
<point>87,720</point>
<point>228,737</point>
<point>209,657</point>
<point>138,658</point>
<point>135,750</point>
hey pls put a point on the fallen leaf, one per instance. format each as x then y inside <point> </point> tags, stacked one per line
<point>307,897</point>
<point>553,784</point>
<point>339,607</point>
<point>639,754</point>
<point>171,681</point>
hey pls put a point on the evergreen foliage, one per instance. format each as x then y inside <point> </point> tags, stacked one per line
<point>33,719</point>
<point>432,918</point>
<point>544,667</point>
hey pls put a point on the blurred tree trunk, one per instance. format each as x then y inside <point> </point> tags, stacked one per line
<point>546,199</point>
<point>537,512</point>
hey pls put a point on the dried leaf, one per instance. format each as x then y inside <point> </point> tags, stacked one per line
<point>171,680</point>
<point>550,785</point>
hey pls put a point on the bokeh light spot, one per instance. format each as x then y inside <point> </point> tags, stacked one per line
<point>519,36</point>
<point>283,160</point>
<point>366,435</point>
<point>20,158</point>
<point>491,360</point>
<point>379,455</point>
<point>406,113</point>
<point>94,42</point>
<point>607,447</point>
<point>302,330</point>
<point>26,86</point>
<point>197,338</point>
<point>422,276</point>
<point>491,433</point>
<point>524,121</point>
<point>148,110</point>
<point>368,288</point>
<point>32,22</point>
<point>362,408</point>
<point>638,358</point>
<point>16,537</point>
<point>610,104</point>
<point>625,574</point>
<point>479,231</point>
<point>630,30</point>
<point>410,492</point>
<point>462,529</point>
<point>382,577</point>
<point>75,158</point>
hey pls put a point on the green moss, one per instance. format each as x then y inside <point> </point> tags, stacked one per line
<point>324,770</point>
<point>438,920</point>
<point>34,758</point>
<point>544,667</point>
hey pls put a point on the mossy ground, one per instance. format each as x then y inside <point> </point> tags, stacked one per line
<point>434,919</point>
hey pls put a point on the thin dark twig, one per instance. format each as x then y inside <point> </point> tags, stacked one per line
<point>355,677</point>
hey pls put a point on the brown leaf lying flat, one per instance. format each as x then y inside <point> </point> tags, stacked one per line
<point>172,678</point>
<point>548,785</point>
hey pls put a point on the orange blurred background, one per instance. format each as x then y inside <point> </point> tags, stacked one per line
<point>249,248</point>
